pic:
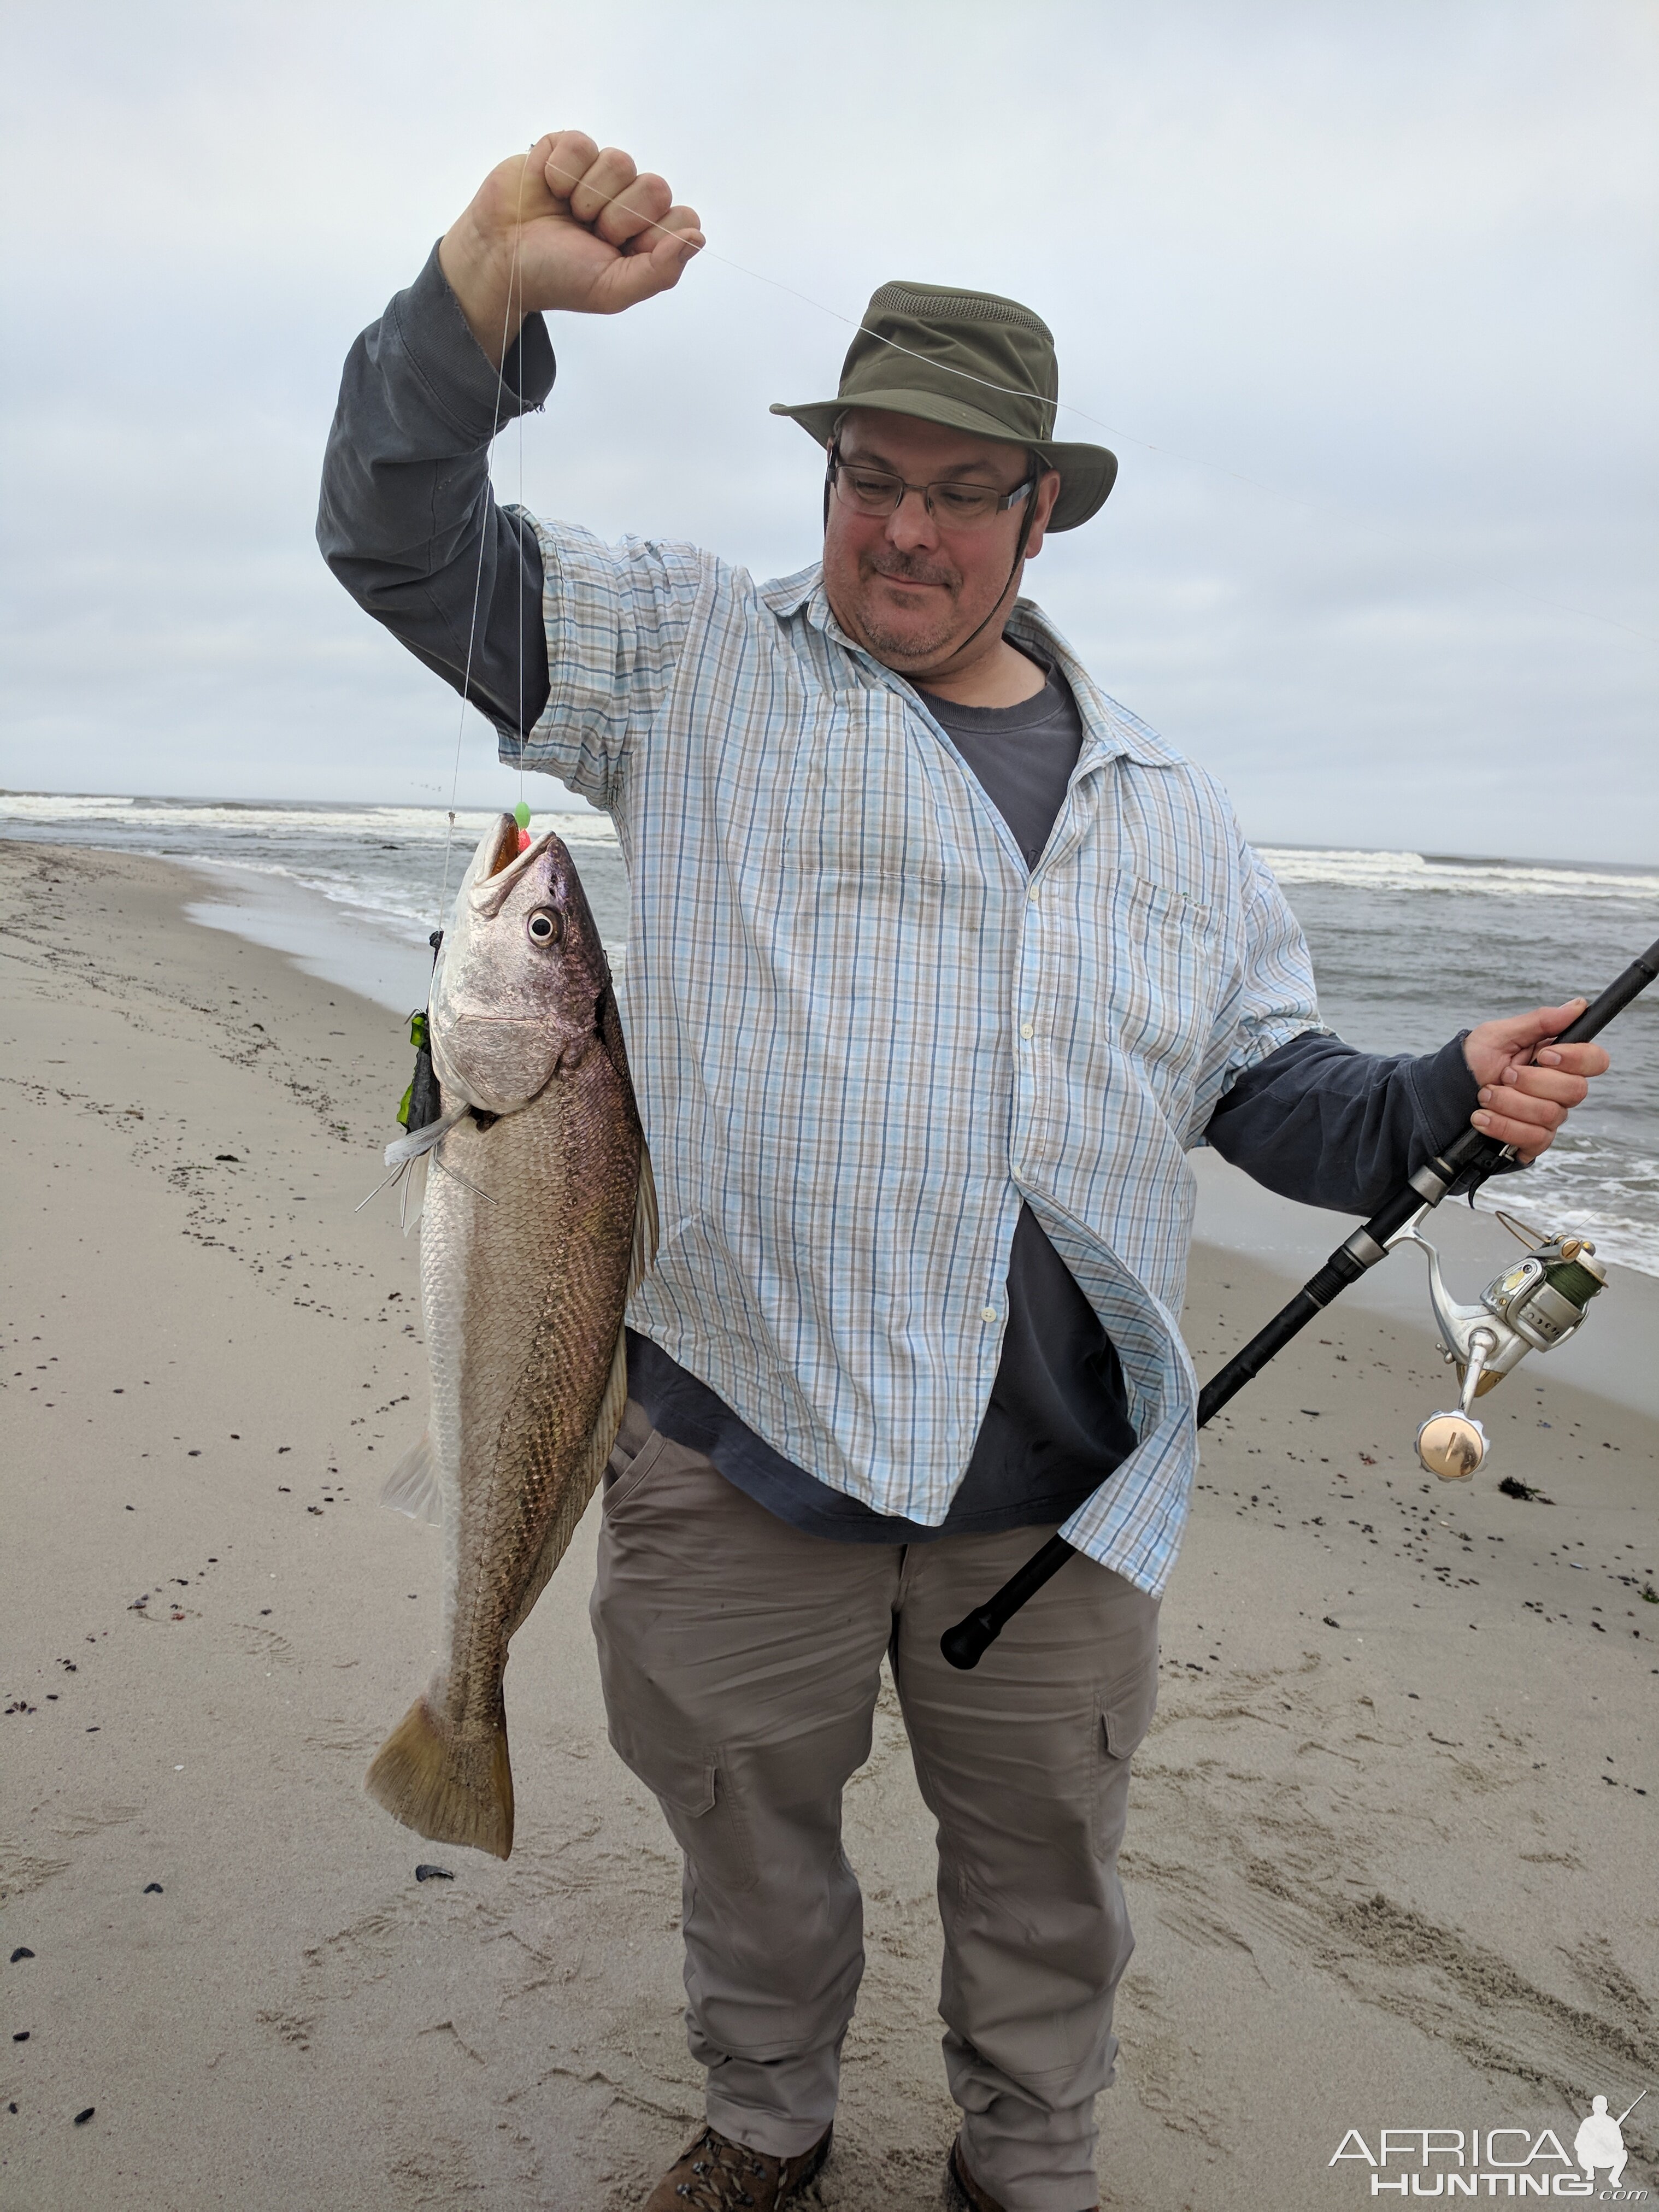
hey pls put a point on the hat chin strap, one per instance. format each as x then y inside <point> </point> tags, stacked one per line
<point>1019,555</point>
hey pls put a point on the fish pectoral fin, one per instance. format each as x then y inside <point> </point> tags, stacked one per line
<point>423,1140</point>
<point>447,1792</point>
<point>413,1486</point>
<point>583,1482</point>
<point>414,1198</point>
<point>643,1256</point>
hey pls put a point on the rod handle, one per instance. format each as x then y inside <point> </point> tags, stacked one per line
<point>967,1643</point>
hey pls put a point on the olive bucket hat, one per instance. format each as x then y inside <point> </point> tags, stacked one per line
<point>971,361</point>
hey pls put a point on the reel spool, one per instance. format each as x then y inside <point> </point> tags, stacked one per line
<point>1533,1306</point>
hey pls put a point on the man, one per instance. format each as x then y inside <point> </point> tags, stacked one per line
<point>938,961</point>
<point>1600,2141</point>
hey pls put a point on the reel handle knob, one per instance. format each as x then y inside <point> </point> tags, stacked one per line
<point>1451,1445</point>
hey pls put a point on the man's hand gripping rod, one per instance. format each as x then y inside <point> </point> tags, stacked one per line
<point>966,1644</point>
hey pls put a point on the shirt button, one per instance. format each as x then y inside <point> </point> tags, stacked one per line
<point>1032,895</point>
<point>988,1313</point>
<point>1027,1029</point>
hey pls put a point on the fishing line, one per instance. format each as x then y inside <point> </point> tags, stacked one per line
<point>519,724</point>
<point>1123,437</point>
<point>411,1157</point>
<point>519,396</point>
<point>484,542</point>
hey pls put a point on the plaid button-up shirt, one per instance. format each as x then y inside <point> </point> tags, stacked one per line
<point>862,1031</point>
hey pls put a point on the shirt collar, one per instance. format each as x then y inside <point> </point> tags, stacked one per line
<point>1109,729</point>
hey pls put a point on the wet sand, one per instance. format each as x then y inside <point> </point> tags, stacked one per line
<point>1392,1838</point>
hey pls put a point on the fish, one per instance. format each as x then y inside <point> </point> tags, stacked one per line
<point>538,1223</point>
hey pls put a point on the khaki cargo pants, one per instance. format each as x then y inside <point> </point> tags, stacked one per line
<point>741,1659</point>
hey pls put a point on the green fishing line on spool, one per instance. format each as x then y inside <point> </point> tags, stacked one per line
<point>1575,1283</point>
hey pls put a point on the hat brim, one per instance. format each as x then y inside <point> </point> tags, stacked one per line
<point>1087,473</point>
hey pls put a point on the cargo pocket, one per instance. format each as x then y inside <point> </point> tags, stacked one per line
<point>1124,1715</point>
<point>694,1792</point>
<point>1125,1721</point>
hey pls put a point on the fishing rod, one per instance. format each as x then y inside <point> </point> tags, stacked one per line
<point>1532,1306</point>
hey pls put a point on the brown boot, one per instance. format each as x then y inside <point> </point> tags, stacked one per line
<point>961,2193</point>
<point>715,2175</point>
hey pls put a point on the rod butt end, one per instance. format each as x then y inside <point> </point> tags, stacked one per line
<point>967,1643</point>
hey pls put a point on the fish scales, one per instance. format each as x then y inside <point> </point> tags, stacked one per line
<point>523,1272</point>
<point>537,1219</point>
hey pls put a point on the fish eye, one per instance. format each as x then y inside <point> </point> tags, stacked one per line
<point>545,925</point>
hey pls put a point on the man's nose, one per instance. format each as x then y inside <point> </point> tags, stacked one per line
<point>910,526</point>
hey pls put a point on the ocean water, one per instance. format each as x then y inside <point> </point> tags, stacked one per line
<point>1408,947</point>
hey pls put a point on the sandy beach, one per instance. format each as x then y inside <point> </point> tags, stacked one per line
<point>1392,1841</point>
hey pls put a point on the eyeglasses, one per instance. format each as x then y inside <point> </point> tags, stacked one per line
<point>866,490</point>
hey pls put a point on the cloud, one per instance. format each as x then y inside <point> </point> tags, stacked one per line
<point>1360,295</point>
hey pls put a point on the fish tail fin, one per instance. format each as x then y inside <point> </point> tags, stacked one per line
<point>413,1486</point>
<point>449,1793</point>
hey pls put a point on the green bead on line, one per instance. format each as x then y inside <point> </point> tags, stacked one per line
<point>521,814</point>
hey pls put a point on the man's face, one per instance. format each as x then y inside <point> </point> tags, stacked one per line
<point>908,586</point>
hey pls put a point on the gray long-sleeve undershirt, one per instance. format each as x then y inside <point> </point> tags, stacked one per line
<point>409,525</point>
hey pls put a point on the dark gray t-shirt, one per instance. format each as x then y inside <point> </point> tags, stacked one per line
<point>1023,756</point>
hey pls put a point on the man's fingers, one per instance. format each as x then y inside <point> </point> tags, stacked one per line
<point>1545,1021</point>
<point>1554,1085</point>
<point>637,211</point>
<point>676,243</point>
<point>1586,1060</point>
<point>1527,1102</point>
<point>678,226</point>
<point>1519,1033</point>
<point>1517,1105</point>
<point>567,157</point>
<point>612,173</point>
<point>640,276</point>
<point>1528,1143</point>
<point>1511,1119</point>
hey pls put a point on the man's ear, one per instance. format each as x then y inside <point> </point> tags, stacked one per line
<point>1043,498</point>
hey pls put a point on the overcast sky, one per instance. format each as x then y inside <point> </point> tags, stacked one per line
<point>1391,263</point>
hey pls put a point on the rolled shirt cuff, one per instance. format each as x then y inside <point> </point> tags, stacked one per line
<point>457,371</point>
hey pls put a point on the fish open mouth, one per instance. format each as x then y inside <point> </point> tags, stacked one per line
<point>506,847</point>
<point>506,865</point>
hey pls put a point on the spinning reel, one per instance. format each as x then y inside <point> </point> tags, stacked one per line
<point>1533,1306</point>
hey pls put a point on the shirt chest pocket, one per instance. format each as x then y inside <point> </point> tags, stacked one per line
<point>1162,953</point>
<point>861,805</point>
